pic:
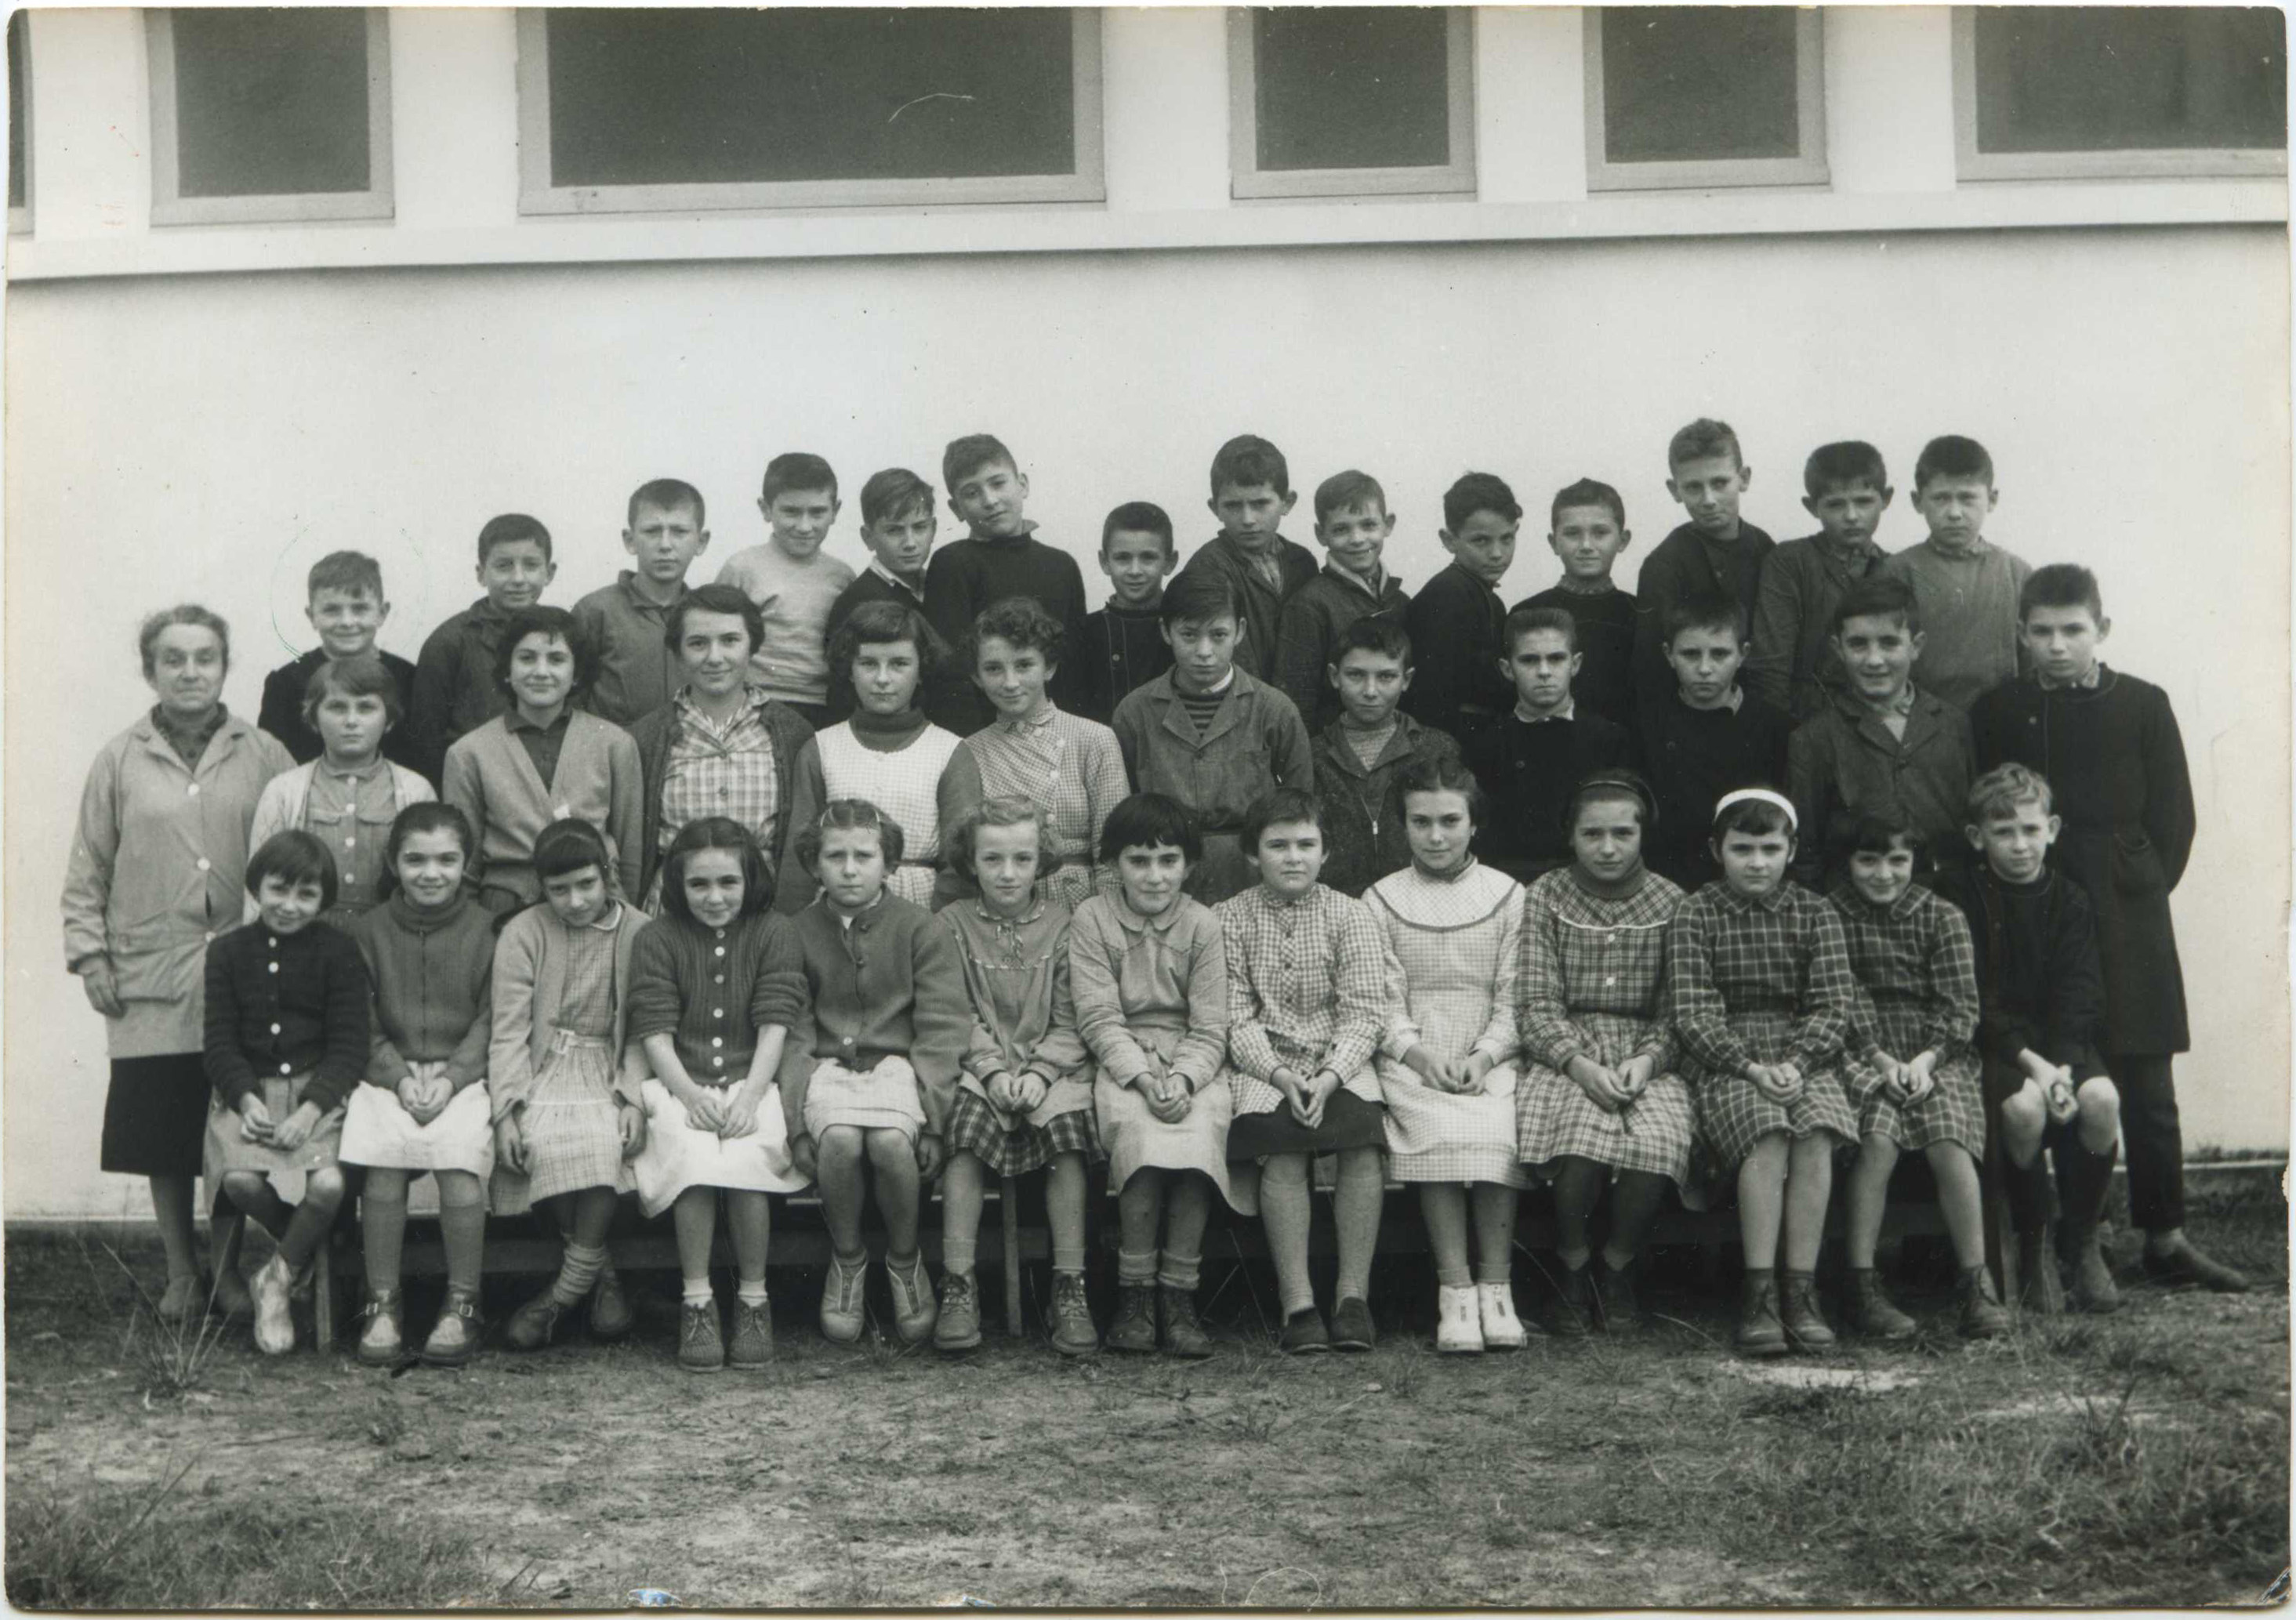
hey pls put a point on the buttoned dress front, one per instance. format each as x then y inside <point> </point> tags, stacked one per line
<point>1069,767</point>
<point>1916,991</point>
<point>1016,977</point>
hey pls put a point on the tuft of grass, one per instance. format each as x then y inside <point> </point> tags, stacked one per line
<point>173,1358</point>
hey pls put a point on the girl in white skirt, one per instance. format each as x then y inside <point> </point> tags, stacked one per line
<point>1148,969</point>
<point>715,983</point>
<point>567,1114</point>
<point>1446,1066</point>
<point>286,1041</point>
<point>430,949</point>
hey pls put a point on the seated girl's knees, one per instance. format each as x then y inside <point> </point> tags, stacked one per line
<point>2025,1107</point>
<point>246,1188</point>
<point>840,1143</point>
<point>886,1146</point>
<point>325,1187</point>
<point>1284,1167</point>
<point>459,1190</point>
<point>2099,1096</point>
<point>387,1186</point>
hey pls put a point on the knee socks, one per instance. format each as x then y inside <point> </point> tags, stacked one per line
<point>577,1274</point>
<point>382,1234</point>
<point>465,1228</point>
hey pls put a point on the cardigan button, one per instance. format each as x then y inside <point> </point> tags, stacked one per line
<point>274,966</point>
<point>275,1029</point>
<point>286,1068</point>
<point>203,864</point>
<point>717,1012</point>
<point>194,789</point>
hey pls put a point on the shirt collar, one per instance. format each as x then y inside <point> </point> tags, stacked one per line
<point>1730,705</point>
<point>877,566</point>
<point>641,603</point>
<point>2087,683</point>
<point>189,742</point>
<point>1228,682</point>
<point>519,723</point>
<point>1374,582</point>
<point>1770,901</point>
<point>1042,720</point>
<point>365,773</point>
<point>608,920</point>
<point>1132,921</point>
<point>755,698</point>
<point>1569,711</point>
<point>1036,909</point>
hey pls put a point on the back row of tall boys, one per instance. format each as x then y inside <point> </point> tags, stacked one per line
<point>1738,662</point>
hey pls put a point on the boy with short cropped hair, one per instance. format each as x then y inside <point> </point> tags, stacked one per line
<point>456,688</point>
<point>1361,755</point>
<point>1000,557</point>
<point>1251,495</point>
<point>1352,525</point>
<point>1884,745</point>
<point>1209,734</point>
<point>898,525</point>
<point>345,603</point>
<point>793,581</point>
<point>628,621</point>
<point>2041,1019</point>
<point>1587,527</point>
<point>1714,738</point>
<point>1457,623</point>
<point>1792,665</point>
<point>1966,585</point>
<point>1717,553</point>
<point>2109,744</point>
<point>1124,647</point>
<point>1532,761</point>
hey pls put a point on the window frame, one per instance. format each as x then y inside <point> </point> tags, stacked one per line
<point>169,207</point>
<point>1248,182</point>
<point>1808,167</point>
<point>20,214</point>
<point>538,196</point>
<point>2126,163</point>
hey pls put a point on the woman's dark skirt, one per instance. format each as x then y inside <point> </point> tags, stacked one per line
<point>155,1115</point>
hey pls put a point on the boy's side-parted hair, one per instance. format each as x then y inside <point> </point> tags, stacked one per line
<point>1525,619</point>
<point>850,815</point>
<point>668,494</point>
<point>1346,491</point>
<point>148,633</point>
<point>1138,518</point>
<point>1754,817</point>
<point>1842,465</point>
<point>1705,611</point>
<point>715,832</point>
<point>968,456</point>
<point>959,842</point>
<point>1475,491</point>
<point>361,675</point>
<point>1950,455</point>
<point>543,620</point>
<point>1702,439</point>
<point>2061,585</point>
<point>1146,821</point>
<point>713,599</point>
<point>1878,831</point>
<point>510,528</point>
<point>1442,773</point>
<point>894,493</point>
<point>877,623</point>
<point>1023,621</point>
<point>796,470</point>
<point>1587,491</point>
<point>1375,632</point>
<point>1201,595</point>
<point>349,572</point>
<point>1277,807</point>
<point>2001,790</point>
<point>294,856</point>
<point>568,846</point>
<point>1878,596</point>
<point>1248,461</point>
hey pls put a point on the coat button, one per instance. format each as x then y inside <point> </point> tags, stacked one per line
<point>717,1039</point>
<point>286,1068</point>
<point>721,950</point>
<point>275,1029</point>
<point>194,789</point>
<point>717,1012</point>
<point>274,966</point>
<point>203,864</point>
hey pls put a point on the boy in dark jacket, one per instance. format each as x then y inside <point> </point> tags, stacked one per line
<point>1124,647</point>
<point>1352,525</point>
<point>1532,761</point>
<point>1456,621</point>
<point>1251,495</point>
<point>1361,755</point>
<point>1712,738</point>
<point>1717,553</point>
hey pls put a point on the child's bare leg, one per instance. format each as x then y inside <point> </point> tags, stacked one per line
<point>1361,1192</point>
<point>1443,1206</point>
<point>306,1228</point>
<point>1761,1201</point>
<point>843,1184</point>
<point>962,1186</point>
<point>252,1193</point>
<point>1810,1186</point>
<point>1960,1201</point>
<point>462,1224</point>
<point>1283,1208</point>
<point>1634,1199</point>
<point>750,1223</point>
<point>695,1216</point>
<point>1064,1191</point>
<point>1139,1211</point>
<point>382,1227</point>
<point>1869,1197</point>
<point>1578,1189</point>
<point>2100,1114</point>
<point>2024,1119</point>
<point>893,1161</point>
<point>171,1202</point>
<point>1494,1206</point>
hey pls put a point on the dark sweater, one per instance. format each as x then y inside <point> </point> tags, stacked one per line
<point>1456,625</point>
<point>1607,623</point>
<point>1686,564</point>
<point>658,731</point>
<point>871,585</point>
<point>1528,770</point>
<point>712,1003</point>
<point>309,1017</point>
<point>1694,757</point>
<point>455,687</point>
<point>1307,631</point>
<point>1263,604</point>
<point>1123,649</point>
<point>434,977</point>
<point>282,713</point>
<point>964,577</point>
<point>1363,812</point>
<point>2038,984</point>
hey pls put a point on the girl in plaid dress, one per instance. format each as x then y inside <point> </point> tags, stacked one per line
<point>1306,1006</point>
<point>1598,1108</point>
<point>568,1113</point>
<point>1024,1096</point>
<point>1447,1065</point>
<point>1913,1068</point>
<point>1758,972</point>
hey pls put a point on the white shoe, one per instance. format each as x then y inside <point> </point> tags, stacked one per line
<point>275,1326</point>
<point>1502,1328</point>
<point>1457,1329</point>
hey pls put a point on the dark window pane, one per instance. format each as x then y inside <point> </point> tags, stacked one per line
<point>270,101</point>
<point>2110,79</point>
<point>652,97</point>
<point>1685,83</point>
<point>19,41</point>
<point>1344,88</point>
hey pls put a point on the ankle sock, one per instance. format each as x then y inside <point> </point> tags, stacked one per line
<point>577,1274</point>
<point>1068,1256</point>
<point>697,1290</point>
<point>1494,1275</point>
<point>1135,1270</point>
<point>1181,1271</point>
<point>957,1254</point>
<point>751,1293</point>
<point>1455,1276</point>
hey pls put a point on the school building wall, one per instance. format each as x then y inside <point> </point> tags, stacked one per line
<point>197,415</point>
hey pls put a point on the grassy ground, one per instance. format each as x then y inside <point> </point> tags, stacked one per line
<point>2136,1460</point>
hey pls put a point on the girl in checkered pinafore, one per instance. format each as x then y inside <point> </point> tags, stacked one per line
<point>1598,1108</point>
<point>1913,1069</point>
<point>1447,1064</point>
<point>1762,993</point>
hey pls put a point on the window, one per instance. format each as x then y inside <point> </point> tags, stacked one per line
<point>1684,95</point>
<point>269,114</point>
<point>679,110</point>
<point>20,123</point>
<point>2049,92</point>
<point>1339,100</point>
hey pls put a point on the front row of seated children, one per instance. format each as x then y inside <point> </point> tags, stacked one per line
<point>1597,1032</point>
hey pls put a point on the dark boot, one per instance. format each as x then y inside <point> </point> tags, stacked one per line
<point>1760,1332</point>
<point>2184,1266</point>
<point>2094,1291</point>
<point>1573,1316</point>
<point>1871,1312</point>
<point>2039,1289</point>
<point>1134,1331</point>
<point>1184,1335</point>
<point>1615,1298</point>
<point>1805,1324</point>
<point>1981,1315</point>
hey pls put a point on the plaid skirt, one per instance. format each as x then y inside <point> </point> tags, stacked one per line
<point>1015,1150</point>
<point>884,1098</point>
<point>676,1157</point>
<point>379,1132</point>
<point>1953,1111</point>
<point>1445,1136</point>
<point>226,1148</point>
<point>573,1128</point>
<point>1554,1118</point>
<point>1732,1115</point>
